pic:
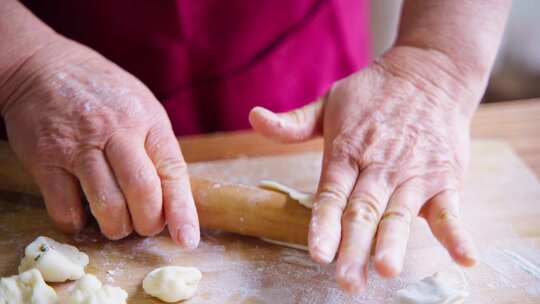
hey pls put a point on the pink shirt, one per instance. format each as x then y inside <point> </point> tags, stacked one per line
<point>210,61</point>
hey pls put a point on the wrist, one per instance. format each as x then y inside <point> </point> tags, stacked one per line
<point>435,73</point>
<point>12,67</point>
<point>459,36</point>
<point>471,66</point>
<point>22,35</point>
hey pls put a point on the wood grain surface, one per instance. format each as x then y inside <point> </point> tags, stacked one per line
<point>516,122</point>
<point>500,208</point>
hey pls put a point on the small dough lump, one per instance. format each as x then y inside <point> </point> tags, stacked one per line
<point>57,262</point>
<point>27,287</point>
<point>172,283</point>
<point>89,290</point>
<point>449,287</point>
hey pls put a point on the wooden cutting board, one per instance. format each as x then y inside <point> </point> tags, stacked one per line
<point>501,208</point>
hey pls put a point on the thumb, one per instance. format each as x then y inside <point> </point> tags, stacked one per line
<point>293,126</point>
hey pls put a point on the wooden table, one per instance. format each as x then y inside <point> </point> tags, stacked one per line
<point>245,270</point>
<point>517,122</point>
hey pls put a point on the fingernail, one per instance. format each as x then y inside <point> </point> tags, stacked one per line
<point>188,236</point>
<point>352,275</point>
<point>350,278</point>
<point>389,264</point>
<point>261,110</point>
<point>265,113</point>
<point>323,250</point>
<point>461,250</point>
<point>466,253</point>
<point>124,232</point>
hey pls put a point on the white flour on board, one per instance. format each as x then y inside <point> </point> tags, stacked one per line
<point>525,264</point>
<point>250,271</point>
<point>515,270</point>
<point>280,243</point>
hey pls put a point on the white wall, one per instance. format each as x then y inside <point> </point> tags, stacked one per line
<point>384,23</point>
<point>517,69</point>
<point>520,47</point>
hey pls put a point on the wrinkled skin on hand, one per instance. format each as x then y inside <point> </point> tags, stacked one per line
<point>77,120</point>
<point>396,145</point>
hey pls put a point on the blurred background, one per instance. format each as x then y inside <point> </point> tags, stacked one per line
<point>516,74</point>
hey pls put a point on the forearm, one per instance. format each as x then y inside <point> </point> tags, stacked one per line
<point>462,35</point>
<point>21,35</point>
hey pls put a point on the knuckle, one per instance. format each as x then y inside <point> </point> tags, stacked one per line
<point>333,192</point>
<point>171,169</point>
<point>445,216</point>
<point>333,197</point>
<point>142,182</point>
<point>86,160</point>
<point>363,209</point>
<point>156,140</point>
<point>297,116</point>
<point>403,216</point>
<point>344,150</point>
<point>95,126</point>
<point>54,150</point>
<point>144,195</point>
<point>114,144</point>
<point>111,203</point>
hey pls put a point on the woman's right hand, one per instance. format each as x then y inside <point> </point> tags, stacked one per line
<point>76,120</point>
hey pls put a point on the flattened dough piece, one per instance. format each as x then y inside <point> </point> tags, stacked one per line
<point>448,287</point>
<point>89,290</point>
<point>172,283</point>
<point>303,198</point>
<point>57,262</point>
<point>27,287</point>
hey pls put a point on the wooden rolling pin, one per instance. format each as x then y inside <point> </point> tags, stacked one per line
<point>235,208</point>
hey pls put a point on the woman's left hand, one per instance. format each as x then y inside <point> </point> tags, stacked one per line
<point>396,145</point>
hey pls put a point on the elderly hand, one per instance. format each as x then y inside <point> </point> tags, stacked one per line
<point>396,145</point>
<point>74,118</point>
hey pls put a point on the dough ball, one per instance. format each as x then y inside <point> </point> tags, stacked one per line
<point>27,287</point>
<point>172,283</point>
<point>89,290</point>
<point>449,287</point>
<point>57,262</point>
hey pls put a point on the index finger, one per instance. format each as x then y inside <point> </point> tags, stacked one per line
<point>180,211</point>
<point>442,215</point>
<point>338,175</point>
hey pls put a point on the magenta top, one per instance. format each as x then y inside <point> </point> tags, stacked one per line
<point>209,61</point>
